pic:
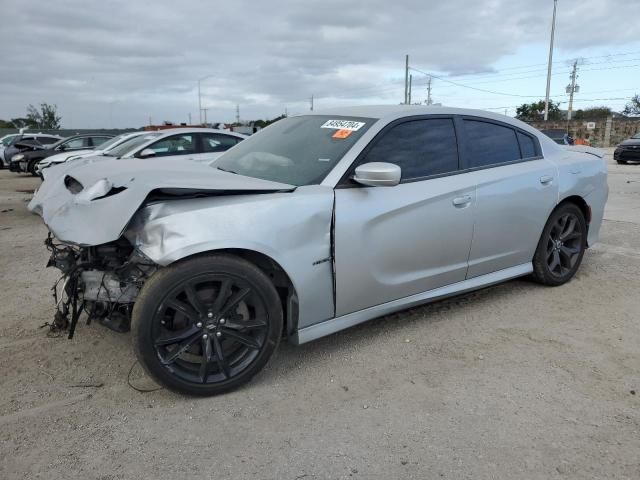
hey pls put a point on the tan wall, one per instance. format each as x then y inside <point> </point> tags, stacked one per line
<point>621,129</point>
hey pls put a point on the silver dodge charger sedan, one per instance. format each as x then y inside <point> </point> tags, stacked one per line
<point>317,223</point>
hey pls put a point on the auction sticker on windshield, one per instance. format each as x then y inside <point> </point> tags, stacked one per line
<point>343,125</point>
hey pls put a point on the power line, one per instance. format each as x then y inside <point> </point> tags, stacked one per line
<point>474,88</point>
<point>558,62</point>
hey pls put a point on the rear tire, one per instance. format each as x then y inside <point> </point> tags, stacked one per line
<point>621,162</point>
<point>206,325</point>
<point>561,246</point>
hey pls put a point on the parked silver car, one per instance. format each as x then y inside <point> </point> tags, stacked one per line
<point>315,224</point>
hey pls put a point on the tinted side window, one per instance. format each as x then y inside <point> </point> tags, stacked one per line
<point>490,144</point>
<point>82,142</point>
<point>48,140</point>
<point>216,142</point>
<point>174,145</point>
<point>419,147</point>
<point>527,146</point>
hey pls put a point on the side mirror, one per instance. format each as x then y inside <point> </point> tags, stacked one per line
<point>146,153</point>
<point>378,174</point>
<point>62,148</point>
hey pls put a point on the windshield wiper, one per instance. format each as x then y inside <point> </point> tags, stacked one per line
<point>228,171</point>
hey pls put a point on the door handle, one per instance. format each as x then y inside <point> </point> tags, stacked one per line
<point>546,179</point>
<point>461,201</point>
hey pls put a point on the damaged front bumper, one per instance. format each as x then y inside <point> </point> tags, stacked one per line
<point>103,281</point>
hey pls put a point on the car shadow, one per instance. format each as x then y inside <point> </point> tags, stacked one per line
<point>289,357</point>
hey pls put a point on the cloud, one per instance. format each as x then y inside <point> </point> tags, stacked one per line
<point>129,60</point>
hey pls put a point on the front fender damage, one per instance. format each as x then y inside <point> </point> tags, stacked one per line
<point>88,210</point>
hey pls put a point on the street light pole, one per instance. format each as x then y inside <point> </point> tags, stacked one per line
<point>553,30</point>
<point>200,97</point>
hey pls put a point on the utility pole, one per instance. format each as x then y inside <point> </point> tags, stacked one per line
<point>200,96</point>
<point>237,113</point>
<point>429,101</point>
<point>189,118</point>
<point>410,84</point>
<point>572,88</point>
<point>311,103</point>
<point>205,115</point>
<point>553,30</point>
<point>406,78</point>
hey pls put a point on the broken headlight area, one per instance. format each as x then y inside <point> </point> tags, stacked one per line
<point>102,281</point>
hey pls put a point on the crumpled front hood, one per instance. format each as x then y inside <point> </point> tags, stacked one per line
<point>75,219</point>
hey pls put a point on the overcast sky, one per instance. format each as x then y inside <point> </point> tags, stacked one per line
<point>118,63</point>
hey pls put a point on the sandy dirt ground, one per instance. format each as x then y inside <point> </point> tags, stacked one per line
<point>517,381</point>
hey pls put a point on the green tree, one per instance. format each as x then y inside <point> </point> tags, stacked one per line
<point>592,113</point>
<point>633,107</point>
<point>533,112</point>
<point>266,123</point>
<point>46,118</point>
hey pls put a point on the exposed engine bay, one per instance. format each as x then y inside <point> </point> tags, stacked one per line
<point>103,281</point>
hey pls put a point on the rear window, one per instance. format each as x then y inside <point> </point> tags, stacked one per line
<point>490,143</point>
<point>527,145</point>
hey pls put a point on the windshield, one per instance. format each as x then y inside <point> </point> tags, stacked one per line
<point>130,144</point>
<point>113,141</point>
<point>297,150</point>
<point>6,140</point>
<point>59,142</point>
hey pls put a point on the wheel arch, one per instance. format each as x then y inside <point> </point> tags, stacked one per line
<point>277,274</point>
<point>582,204</point>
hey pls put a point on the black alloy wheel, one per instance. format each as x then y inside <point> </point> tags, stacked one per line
<point>561,247</point>
<point>206,325</point>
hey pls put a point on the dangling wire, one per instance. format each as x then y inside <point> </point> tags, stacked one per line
<point>137,389</point>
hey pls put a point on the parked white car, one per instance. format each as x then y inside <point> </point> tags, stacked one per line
<point>74,155</point>
<point>201,145</point>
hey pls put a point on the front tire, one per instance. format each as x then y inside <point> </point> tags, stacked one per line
<point>561,246</point>
<point>206,325</point>
<point>31,168</point>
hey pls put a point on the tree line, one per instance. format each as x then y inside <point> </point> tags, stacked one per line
<point>533,112</point>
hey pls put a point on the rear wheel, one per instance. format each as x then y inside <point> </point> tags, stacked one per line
<point>206,325</point>
<point>621,162</point>
<point>561,246</point>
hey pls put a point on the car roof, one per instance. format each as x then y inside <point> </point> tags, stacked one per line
<point>80,135</point>
<point>389,113</point>
<point>396,111</point>
<point>171,131</point>
<point>27,134</point>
